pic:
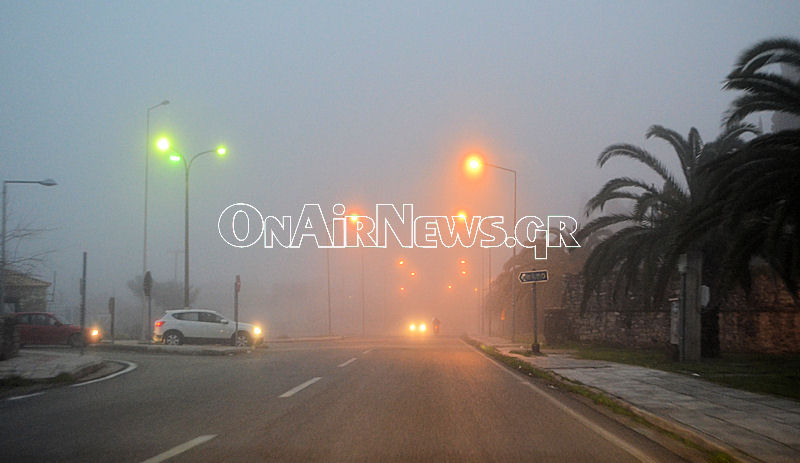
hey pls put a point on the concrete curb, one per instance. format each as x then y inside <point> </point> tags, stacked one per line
<point>178,350</point>
<point>306,339</point>
<point>664,424</point>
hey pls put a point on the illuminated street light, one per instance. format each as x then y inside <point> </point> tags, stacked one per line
<point>413,274</point>
<point>474,165</point>
<point>355,218</point>
<point>164,145</point>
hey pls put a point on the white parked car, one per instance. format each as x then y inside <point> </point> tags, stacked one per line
<point>203,326</point>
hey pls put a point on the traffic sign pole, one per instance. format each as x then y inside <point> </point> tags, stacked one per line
<point>236,288</point>
<point>532,277</point>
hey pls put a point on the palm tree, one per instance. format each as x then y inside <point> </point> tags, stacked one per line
<point>639,257</point>
<point>756,194</point>
<point>764,90</point>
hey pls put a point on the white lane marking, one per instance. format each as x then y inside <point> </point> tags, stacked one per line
<point>367,351</point>
<point>636,453</point>
<point>299,388</point>
<point>342,365</point>
<point>25,396</point>
<point>180,449</point>
<point>131,366</point>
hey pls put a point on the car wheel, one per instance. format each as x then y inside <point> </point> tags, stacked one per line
<point>75,340</point>
<point>242,339</point>
<point>173,338</point>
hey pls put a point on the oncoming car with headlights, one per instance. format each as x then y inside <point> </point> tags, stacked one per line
<point>176,327</point>
<point>418,328</point>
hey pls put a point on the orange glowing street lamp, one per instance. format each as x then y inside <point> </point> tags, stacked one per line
<point>355,219</point>
<point>473,166</point>
<point>401,262</point>
<point>413,274</point>
<point>462,215</point>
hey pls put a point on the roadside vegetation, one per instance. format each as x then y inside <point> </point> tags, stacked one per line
<point>730,207</point>
<point>733,203</point>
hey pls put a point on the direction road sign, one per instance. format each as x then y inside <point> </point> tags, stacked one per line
<point>534,276</point>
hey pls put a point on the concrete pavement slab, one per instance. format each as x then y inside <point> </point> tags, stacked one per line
<point>38,365</point>
<point>763,427</point>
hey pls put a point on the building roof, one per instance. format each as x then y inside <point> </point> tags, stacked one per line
<point>14,278</point>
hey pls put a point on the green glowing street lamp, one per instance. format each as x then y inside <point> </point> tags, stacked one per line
<point>163,144</point>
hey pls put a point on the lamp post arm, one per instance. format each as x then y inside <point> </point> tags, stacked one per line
<point>196,156</point>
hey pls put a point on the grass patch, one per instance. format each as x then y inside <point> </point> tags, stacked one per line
<point>759,373</point>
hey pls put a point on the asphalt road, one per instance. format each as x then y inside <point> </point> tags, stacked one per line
<point>351,400</point>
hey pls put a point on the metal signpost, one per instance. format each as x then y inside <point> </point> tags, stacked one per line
<point>236,288</point>
<point>148,290</point>
<point>111,304</point>
<point>534,276</point>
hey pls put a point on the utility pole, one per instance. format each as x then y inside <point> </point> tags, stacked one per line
<point>83,305</point>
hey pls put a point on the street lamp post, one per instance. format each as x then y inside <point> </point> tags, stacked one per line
<point>163,145</point>
<point>146,177</point>
<point>475,163</point>
<point>45,182</point>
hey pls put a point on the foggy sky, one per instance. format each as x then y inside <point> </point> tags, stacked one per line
<point>351,102</point>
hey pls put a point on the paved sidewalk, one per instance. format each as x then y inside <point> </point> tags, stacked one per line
<point>41,365</point>
<point>763,427</point>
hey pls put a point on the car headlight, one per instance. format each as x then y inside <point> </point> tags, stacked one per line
<point>413,327</point>
<point>257,330</point>
<point>95,332</point>
<point>422,328</point>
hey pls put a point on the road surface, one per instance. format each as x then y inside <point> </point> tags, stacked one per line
<point>395,399</point>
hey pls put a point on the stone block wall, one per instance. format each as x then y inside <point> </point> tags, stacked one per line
<point>774,332</point>
<point>765,321</point>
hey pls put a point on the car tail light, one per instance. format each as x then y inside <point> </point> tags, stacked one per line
<point>159,323</point>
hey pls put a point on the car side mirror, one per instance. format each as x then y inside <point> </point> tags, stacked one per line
<point>224,322</point>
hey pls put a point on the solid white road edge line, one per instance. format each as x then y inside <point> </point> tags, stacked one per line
<point>636,453</point>
<point>299,388</point>
<point>131,366</point>
<point>180,449</point>
<point>342,365</point>
<point>25,396</point>
<point>367,351</point>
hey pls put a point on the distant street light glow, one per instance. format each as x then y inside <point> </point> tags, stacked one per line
<point>162,144</point>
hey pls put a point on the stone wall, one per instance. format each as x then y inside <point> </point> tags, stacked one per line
<point>765,321</point>
<point>774,332</point>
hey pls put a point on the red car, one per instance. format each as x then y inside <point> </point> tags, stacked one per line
<point>46,328</point>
